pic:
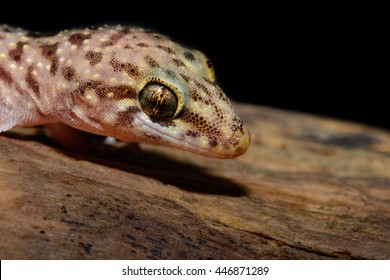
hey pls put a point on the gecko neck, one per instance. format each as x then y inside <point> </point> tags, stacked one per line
<point>24,62</point>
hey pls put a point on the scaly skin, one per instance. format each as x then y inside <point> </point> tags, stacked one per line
<point>95,80</point>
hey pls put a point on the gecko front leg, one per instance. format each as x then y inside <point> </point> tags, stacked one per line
<point>74,139</point>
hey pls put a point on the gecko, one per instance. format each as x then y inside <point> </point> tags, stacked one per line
<point>125,82</point>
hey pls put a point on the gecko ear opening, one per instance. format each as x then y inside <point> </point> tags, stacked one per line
<point>159,101</point>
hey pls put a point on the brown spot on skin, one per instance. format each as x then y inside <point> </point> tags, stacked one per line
<point>201,86</point>
<point>129,68</point>
<point>114,38</point>
<point>20,90</point>
<point>151,61</point>
<point>107,92</point>
<point>185,77</point>
<point>69,73</point>
<point>195,95</point>
<point>170,73</point>
<point>49,52</point>
<point>5,76</point>
<point>127,117</point>
<point>198,98</point>
<point>32,82</point>
<point>93,57</point>
<point>7,30</point>
<point>126,30</point>
<point>213,142</point>
<point>164,123</point>
<point>88,85</point>
<point>189,56</point>
<point>166,49</point>
<point>219,92</point>
<point>16,54</point>
<point>223,97</point>
<point>142,45</point>
<point>218,112</point>
<point>208,81</point>
<point>208,93</point>
<point>154,138</point>
<point>192,133</point>
<point>78,38</point>
<point>178,62</point>
<point>122,91</point>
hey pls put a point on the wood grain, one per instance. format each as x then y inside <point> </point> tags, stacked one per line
<point>308,188</point>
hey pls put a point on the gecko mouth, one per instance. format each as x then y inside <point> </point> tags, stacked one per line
<point>236,145</point>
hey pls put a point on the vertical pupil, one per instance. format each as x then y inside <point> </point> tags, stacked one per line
<point>158,101</point>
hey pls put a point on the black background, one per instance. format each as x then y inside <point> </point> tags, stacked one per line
<point>325,60</point>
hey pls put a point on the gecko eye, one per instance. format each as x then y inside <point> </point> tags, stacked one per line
<point>158,101</point>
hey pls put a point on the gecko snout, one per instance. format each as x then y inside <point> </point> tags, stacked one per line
<point>240,140</point>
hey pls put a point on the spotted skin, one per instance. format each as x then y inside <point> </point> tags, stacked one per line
<point>90,79</point>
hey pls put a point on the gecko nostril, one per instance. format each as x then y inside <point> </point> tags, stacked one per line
<point>234,140</point>
<point>243,141</point>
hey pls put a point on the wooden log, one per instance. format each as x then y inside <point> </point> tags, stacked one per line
<point>308,188</point>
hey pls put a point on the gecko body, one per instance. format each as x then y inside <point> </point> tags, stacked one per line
<point>125,82</point>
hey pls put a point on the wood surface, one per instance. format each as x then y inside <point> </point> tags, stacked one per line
<point>308,188</point>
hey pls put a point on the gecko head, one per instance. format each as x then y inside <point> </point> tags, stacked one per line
<point>183,107</point>
<point>192,113</point>
<point>166,94</point>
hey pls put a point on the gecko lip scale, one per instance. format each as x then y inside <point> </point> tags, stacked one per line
<point>236,145</point>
